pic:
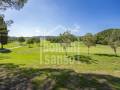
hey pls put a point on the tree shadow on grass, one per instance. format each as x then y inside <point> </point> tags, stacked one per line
<point>108,55</point>
<point>12,77</point>
<point>4,50</point>
<point>83,59</point>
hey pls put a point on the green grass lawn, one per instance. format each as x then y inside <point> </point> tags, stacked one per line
<point>48,67</point>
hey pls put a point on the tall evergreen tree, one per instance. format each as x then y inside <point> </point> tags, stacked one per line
<point>3,32</point>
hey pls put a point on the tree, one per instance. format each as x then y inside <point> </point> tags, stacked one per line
<point>114,45</point>
<point>114,41</point>
<point>37,41</point>
<point>21,40</point>
<point>89,40</point>
<point>65,40</point>
<point>12,39</point>
<point>3,32</point>
<point>30,41</point>
<point>4,5</point>
<point>16,4</point>
<point>9,22</point>
<point>53,39</point>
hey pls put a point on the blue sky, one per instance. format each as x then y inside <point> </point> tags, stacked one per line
<point>51,17</point>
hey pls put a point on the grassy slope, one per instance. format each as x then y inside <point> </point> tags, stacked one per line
<point>103,64</point>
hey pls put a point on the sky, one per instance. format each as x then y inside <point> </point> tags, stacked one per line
<point>52,17</point>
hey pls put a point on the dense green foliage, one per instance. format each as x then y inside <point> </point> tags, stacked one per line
<point>21,39</point>
<point>12,39</point>
<point>17,4</point>
<point>53,39</point>
<point>104,36</point>
<point>37,41</point>
<point>30,41</point>
<point>58,39</point>
<point>3,32</point>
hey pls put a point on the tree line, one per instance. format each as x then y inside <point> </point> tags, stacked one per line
<point>29,41</point>
<point>109,37</point>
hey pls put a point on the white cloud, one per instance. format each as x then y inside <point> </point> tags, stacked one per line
<point>76,28</point>
<point>56,30</point>
<point>17,30</point>
<point>61,28</point>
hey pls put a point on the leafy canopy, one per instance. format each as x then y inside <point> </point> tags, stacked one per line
<point>89,40</point>
<point>16,4</point>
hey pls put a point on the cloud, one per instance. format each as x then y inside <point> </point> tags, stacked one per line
<point>17,30</point>
<point>55,30</point>
<point>61,28</point>
<point>75,28</point>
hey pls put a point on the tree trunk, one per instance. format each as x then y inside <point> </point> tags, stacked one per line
<point>1,46</point>
<point>88,51</point>
<point>115,51</point>
<point>65,51</point>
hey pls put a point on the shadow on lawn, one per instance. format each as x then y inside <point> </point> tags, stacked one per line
<point>4,50</point>
<point>83,59</point>
<point>108,55</point>
<point>12,77</point>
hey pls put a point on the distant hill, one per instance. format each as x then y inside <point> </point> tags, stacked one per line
<point>102,36</point>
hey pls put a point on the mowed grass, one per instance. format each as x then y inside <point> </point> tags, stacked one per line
<point>103,58</point>
<point>47,66</point>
